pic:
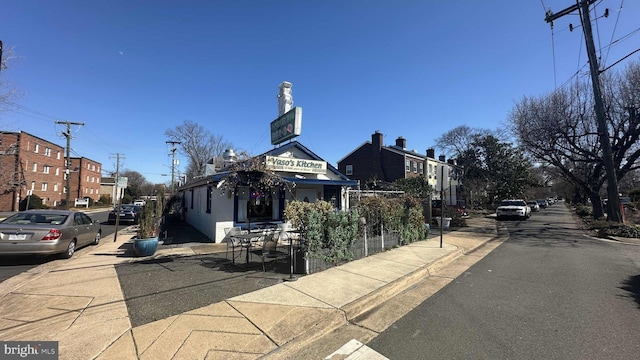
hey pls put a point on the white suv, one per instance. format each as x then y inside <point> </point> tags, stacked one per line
<point>513,208</point>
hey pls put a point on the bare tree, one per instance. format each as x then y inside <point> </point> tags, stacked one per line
<point>7,89</point>
<point>454,142</point>
<point>199,145</point>
<point>560,130</point>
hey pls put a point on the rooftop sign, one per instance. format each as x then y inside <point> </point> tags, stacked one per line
<point>286,126</point>
<point>287,164</point>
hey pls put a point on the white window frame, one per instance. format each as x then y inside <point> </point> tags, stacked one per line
<point>35,167</point>
<point>348,170</point>
<point>44,186</point>
<point>46,169</point>
<point>47,151</point>
<point>36,148</point>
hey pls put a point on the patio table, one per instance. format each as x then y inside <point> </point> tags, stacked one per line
<point>247,240</point>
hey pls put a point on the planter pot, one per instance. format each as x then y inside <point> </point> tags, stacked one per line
<point>145,247</point>
<point>445,224</point>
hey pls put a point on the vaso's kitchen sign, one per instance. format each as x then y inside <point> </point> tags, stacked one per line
<point>286,126</point>
<point>296,165</point>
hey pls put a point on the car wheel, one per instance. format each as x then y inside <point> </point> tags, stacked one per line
<point>71,249</point>
<point>96,240</point>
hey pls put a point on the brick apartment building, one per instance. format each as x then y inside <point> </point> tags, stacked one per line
<point>374,160</point>
<point>29,164</point>
<point>85,178</point>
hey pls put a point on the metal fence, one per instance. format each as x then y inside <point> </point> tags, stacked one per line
<point>363,247</point>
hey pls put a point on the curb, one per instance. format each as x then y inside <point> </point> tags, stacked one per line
<point>372,300</point>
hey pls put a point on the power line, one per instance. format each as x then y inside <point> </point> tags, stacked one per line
<point>615,26</point>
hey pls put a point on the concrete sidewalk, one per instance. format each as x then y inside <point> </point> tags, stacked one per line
<point>79,303</point>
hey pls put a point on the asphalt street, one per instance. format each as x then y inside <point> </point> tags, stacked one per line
<point>548,292</point>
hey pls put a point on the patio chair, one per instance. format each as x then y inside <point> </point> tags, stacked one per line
<point>232,242</point>
<point>269,249</point>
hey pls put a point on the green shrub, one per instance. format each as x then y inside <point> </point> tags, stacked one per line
<point>30,202</point>
<point>584,210</point>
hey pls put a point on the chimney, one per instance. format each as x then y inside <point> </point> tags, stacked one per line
<point>376,140</point>
<point>431,153</point>
<point>442,158</point>
<point>401,142</point>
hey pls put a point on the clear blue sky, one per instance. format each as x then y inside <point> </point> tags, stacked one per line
<point>132,69</point>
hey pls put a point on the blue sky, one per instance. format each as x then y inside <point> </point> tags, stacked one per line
<point>131,69</point>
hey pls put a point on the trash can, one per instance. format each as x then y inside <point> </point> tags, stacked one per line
<point>445,224</point>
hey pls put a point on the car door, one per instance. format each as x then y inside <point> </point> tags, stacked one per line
<point>83,228</point>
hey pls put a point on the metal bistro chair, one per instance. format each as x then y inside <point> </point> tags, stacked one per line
<point>269,248</point>
<point>233,242</point>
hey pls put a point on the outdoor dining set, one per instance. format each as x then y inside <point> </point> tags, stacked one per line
<point>269,243</point>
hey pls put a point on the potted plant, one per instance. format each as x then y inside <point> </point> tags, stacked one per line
<point>146,241</point>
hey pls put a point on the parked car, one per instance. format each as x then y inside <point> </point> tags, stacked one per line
<point>513,208</point>
<point>139,202</point>
<point>436,209</point>
<point>46,232</point>
<point>129,214</point>
<point>543,203</point>
<point>533,205</point>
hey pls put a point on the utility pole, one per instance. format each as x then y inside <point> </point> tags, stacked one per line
<point>614,213</point>
<point>173,162</point>
<point>68,159</point>
<point>117,197</point>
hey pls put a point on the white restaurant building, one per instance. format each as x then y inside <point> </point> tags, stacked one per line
<point>209,207</point>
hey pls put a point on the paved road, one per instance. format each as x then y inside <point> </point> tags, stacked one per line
<point>13,265</point>
<point>548,292</point>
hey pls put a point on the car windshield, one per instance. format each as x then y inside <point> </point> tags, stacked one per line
<point>31,218</point>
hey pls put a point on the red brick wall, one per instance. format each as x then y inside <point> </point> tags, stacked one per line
<point>85,178</point>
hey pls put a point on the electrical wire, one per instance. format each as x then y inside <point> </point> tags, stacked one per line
<point>30,112</point>
<point>615,27</point>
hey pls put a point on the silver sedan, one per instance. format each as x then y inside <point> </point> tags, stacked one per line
<point>46,232</point>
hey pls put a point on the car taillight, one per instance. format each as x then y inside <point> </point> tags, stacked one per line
<point>54,234</point>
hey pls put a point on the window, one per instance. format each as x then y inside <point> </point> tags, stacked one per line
<point>349,170</point>
<point>55,187</point>
<point>58,156</point>
<point>408,167</point>
<point>57,171</point>
<point>46,168</point>
<point>36,148</point>
<point>33,185</point>
<point>44,186</point>
<point>35,167</point>
<point>209,191</point>
<point>47,151</point>
<point>420,168</point>
<point>93,167</point>
<point>414,166</point>
<point>93,179</point>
